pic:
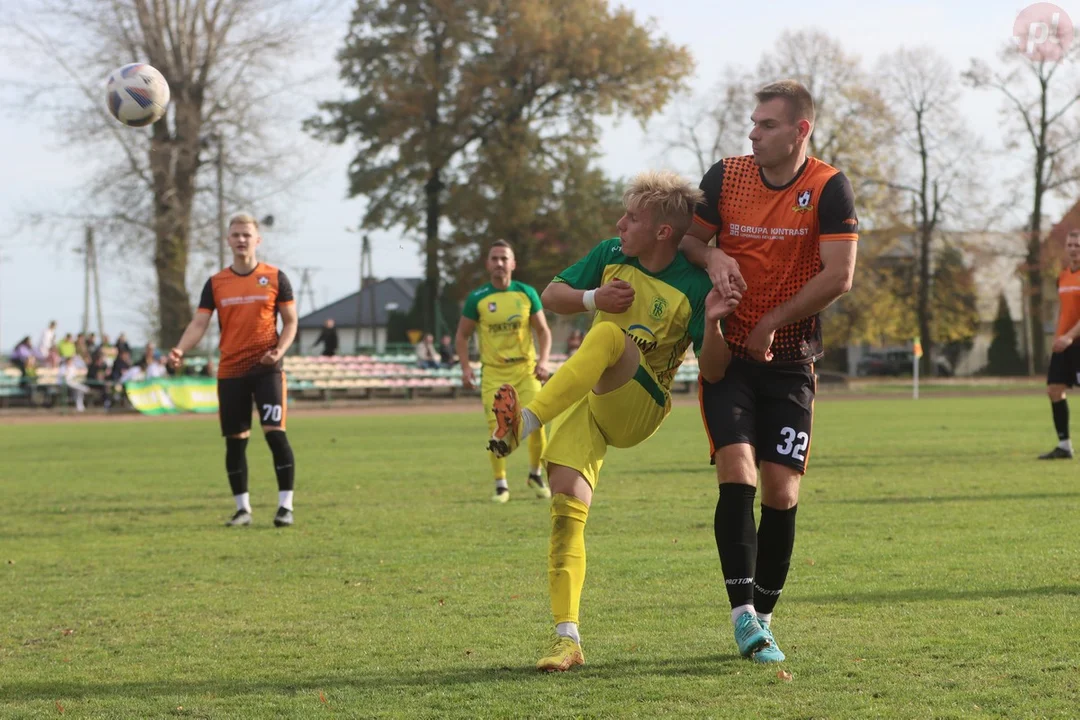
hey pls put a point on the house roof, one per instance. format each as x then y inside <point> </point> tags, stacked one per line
<point>384,296</point>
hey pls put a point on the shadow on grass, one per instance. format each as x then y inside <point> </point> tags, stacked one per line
<point>908,500</point>
<point>938,594</point>
<point>364,680</point>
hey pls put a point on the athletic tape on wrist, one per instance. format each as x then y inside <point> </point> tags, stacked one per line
<point>589,300</point>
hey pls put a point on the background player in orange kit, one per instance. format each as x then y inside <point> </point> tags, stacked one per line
<point>1064,370</point>
<point>249,296</point>
<point>786,235</point>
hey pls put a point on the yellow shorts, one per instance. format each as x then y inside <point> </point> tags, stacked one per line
<point>622,418</point>
<point>520,376</point>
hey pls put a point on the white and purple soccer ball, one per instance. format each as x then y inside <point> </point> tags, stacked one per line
<point>137,94</point>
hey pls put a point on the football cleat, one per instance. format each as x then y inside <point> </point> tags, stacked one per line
<point>1058,453</point>
<point>507,435</point>
<point>239,519</point>
<point>749,635</point>
<point>536,482</point>
<point>564,654</point>
<point>283,517</point>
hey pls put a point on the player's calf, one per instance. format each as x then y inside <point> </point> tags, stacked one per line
<point>285,469</point>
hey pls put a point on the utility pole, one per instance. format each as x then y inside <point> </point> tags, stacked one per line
<point>219,162</point>
<point>97,284</point>
<point>88,242</point>
<point>306,290</point>
<point>367,271</point>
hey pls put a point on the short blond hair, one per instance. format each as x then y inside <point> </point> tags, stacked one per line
<point>671,197</point>
<point>794,93</point>
<point>243,219</point>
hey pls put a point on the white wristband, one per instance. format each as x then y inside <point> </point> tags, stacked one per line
<point>589,300</point>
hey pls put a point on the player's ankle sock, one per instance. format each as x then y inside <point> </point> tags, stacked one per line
<point>764,618</point>
<point>500,484</point>
<point>236,465</point>
<point>736,612</point>
<point>537,445</point>
<point>1060,409</point>
<point>284,464</point>
<point>568,629</point>
<point>529,425</point>
<point>736,540</point>
<point>566,556</point>
<point>243,501</point>
<point>602,347</point>
<point>285,499</point>
<point>1066,444</point>
<point>776,538</point>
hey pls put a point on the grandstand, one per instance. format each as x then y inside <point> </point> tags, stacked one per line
<point>316,378</point>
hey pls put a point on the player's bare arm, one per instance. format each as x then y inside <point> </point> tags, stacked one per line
<point>543,343</point>
<point>290,321</point>
<point>715,353</point>
<point>722,268</point>
<point>465,329</point>
<point>191,337</point>
<point>832,281</point>
<point>614,297</point>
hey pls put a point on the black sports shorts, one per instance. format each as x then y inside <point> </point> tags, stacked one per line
<point>1064,367</point>
<point>236,395</point>
<point>770,407</point>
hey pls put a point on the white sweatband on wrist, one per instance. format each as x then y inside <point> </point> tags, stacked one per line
<point>589,300</point>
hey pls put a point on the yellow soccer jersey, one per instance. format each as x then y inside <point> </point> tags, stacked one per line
<point>668,313</point>
<point>502,322</point>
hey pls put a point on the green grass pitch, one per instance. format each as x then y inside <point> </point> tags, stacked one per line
<point>936,574</point>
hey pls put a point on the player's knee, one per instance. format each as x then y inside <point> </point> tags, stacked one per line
<point>239,436</point>
<point>608,332</point>
<point>1056,392</point>
<point>235,448</point>
<point>278,441</point>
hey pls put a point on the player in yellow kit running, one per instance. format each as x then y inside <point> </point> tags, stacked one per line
<point>506,313</point>
<point>650,305</point>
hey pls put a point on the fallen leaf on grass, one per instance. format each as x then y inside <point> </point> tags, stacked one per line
<point>59,707</point>
<point>468,652</point>
<point>69,631</point>
<point>441,602</point>
<point>515,597</point>
<point>67,659</point>
<point>10,562</point>
<point>323,698</point>
<point>858,659</point>
<point>810,561</point>
<point>674,540</point>
<point>784,675</point>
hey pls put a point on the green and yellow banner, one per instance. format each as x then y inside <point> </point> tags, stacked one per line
<point>168,396</point>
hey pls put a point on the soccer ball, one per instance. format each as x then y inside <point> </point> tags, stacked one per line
<point>137,94</point>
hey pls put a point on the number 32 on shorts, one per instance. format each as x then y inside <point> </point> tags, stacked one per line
<point>794,444</point>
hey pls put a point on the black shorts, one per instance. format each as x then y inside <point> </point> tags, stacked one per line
<point>235,398</point>
<point>770,408</point>
<point>1064,367</point>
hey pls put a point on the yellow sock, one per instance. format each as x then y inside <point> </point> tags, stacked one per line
<point>566,556</point>
<point>498,466</point>
<point>602,347</point>
<point>537,445</point>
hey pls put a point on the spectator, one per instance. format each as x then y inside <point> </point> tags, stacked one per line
<point>574,342</point>
<point>66,348</point>
<point>446,352</point>
<point>155,368</point>
<point>208,369</point>
<point>328,338</point>
<point>427,357</point>
<point>96,375</point>
<point>72,373</point>
<point>122,344</point>
<point>47,341</point>
<point>105,343</point>
<point>148,354</point>
<point>23,354</point>
<point>82,349</point>
<point>91,343</point>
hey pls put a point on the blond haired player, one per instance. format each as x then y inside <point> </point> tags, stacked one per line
<point>248,297</point>
<point>650,304</point>
<point>507,313</point>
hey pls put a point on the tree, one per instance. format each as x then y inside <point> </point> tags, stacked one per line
<point>713,125</point>
<point>216,56</point>
<point>919,87</point>
<point>953,304</point>
<point>1040,95</point>
<point>438,83</point>
<point>1003,358</point>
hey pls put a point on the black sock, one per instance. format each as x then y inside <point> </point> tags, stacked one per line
<point>236,464</point>
<point>1061,418</point>
<point>736,540</point>
<point>776,538</point>
<point>284,465</point>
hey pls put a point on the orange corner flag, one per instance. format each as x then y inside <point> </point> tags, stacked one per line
<point>918,347</point>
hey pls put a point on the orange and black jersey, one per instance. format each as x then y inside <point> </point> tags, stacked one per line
<point>1069,296</point>
<point>247,308</point>
<point>774,235</point>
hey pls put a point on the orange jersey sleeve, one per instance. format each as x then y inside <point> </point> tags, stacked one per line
<point>774,233</point>
<point>1069,297</point>
<point>247,308</point>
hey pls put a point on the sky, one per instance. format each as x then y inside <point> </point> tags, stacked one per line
<point>41,277</point>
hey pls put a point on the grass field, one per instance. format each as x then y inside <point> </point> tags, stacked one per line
<point>936,574</point>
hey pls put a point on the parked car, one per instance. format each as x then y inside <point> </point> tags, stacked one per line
<point>893,363</point>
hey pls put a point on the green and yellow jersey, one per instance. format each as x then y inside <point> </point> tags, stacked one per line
<point>502,322</point>
<point>668,312</point>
